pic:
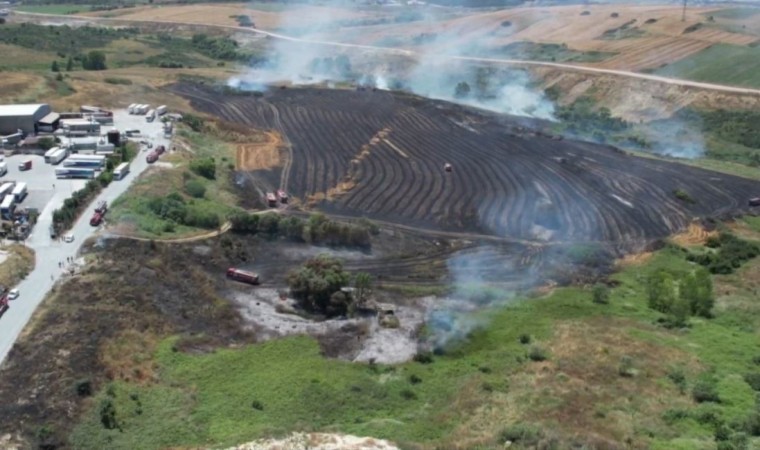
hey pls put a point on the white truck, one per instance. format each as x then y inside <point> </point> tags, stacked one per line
<point>3,168</point>
<point>161,110</point>
<point>150,116</point>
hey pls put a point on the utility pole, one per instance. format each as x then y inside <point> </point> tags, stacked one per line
<point>683,15</point>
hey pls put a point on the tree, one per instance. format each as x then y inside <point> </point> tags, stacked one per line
<point>69,64</point>
<point>363,285</point>
<point>94,60</point>
<point>697,290</point>
<point>462,90</point>
<point>54,67</point>
<point>316,283</point>
<point>601,294</point>
<point>661,291</point>
<point>679,313</point>
<point>59,77</point>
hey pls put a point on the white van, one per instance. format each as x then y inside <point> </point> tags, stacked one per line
<point>3,168</point>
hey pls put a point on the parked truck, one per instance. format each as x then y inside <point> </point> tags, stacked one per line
<point>271,200</point>
<point>160,150</point>
<point>151,157</point>
<point>25,165</point>
<point>150,115</point>
<point>121,171</point>
<point>242,275</point>
<point>100,213</point>
<point>161,110</point>
<point>75,172</point>
<point>754,201</point>
<point>3,168</point>
<point>283,196</point>
<point>19,192</point>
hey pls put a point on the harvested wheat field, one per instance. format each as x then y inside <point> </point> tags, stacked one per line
<point>225,13</point>
<point>505,182</point>
<point>260,156</point>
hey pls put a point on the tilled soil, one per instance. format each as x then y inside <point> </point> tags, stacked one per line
<point>381,155</point>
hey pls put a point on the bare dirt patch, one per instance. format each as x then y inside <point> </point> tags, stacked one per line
<point>260,155</point>
<point>319,441</point>
<point>359,338</point>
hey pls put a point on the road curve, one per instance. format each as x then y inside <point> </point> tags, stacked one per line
<point>413,54</point>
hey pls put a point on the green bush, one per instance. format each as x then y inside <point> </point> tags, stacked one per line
<point>684,196</point>
<point>538,354</point>
<point>523,434</point>
<point>205,167</point>
<point>601,294</point>
<point>195,188</point>
<point>704,391</point>
<point>525,339</point>
<point>753,379</point>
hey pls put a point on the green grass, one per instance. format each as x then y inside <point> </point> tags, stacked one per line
<point>734,13</point>
<point>206,399</point>
<point>133,208</point>
<point>721,63</point>
<point>53,9</point>
<point>753,223</point>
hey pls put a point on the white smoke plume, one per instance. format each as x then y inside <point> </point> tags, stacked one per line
<point>311,60</point>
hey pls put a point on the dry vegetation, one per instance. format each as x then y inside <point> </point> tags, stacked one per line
<point>18,262</point>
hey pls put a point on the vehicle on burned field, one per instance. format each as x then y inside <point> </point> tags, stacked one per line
<point>242,275</point>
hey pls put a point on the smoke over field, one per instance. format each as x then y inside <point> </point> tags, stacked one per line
<point>305,61</point>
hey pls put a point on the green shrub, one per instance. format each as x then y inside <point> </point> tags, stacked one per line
<point>83,387</point>
<point>537,354</point>
<point>601,294</point>
<point>195,188</point>
<point>683,196</point>
<point>523,434</point>
<point>704,391</point>
<point>753,379</point>
<point>414,379</point>
<point>205,167</point>
<point>257,405</point>
<point>525,339</point>
<point>423,357</point>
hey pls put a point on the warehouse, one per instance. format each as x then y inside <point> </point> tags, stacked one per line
<point>21,117</point>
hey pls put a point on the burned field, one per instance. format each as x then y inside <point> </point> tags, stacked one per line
<point>381,155</point>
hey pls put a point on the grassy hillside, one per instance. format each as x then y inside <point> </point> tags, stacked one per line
<point>559,369</point>
<point>721,63</point>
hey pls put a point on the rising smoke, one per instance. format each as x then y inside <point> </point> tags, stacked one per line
<point>431,70</point>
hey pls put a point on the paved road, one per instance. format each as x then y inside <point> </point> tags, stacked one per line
<point>49,252</point>
<point>414,54</point>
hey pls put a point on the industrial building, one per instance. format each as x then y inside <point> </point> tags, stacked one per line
<point>22,117</point>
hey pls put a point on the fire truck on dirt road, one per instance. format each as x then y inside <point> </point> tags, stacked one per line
<point>242,276</point>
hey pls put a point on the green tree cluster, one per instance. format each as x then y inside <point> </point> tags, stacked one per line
<point>318,229</point>
<point>94,60</point>
<point>317,286</point>
<point>731,252</point>
<point>174,209</point>
<point>681,297</point>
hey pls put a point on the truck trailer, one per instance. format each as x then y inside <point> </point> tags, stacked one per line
<point>242,276</point>
<point>271,200</point>
<point>75,172</point>
<point>8,206</point>
<point>19,192</point>
<point>121,171</point>
<point>6,188</point>
<point>58,156</point>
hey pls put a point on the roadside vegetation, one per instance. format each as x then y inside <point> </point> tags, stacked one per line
<point>18,262</point>
<point>664,327</point>
<point>547,52</point>
<point>65,216</point>
<point>191,195</point>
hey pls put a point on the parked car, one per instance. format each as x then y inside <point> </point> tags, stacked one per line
<point>13,294</point>
<point>68,238</point>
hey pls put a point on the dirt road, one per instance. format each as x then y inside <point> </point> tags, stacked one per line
<point>413,54</point>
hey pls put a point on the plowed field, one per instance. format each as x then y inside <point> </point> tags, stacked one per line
<point>381,155</point>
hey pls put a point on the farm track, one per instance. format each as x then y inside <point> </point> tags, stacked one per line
<point>508,185</point>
